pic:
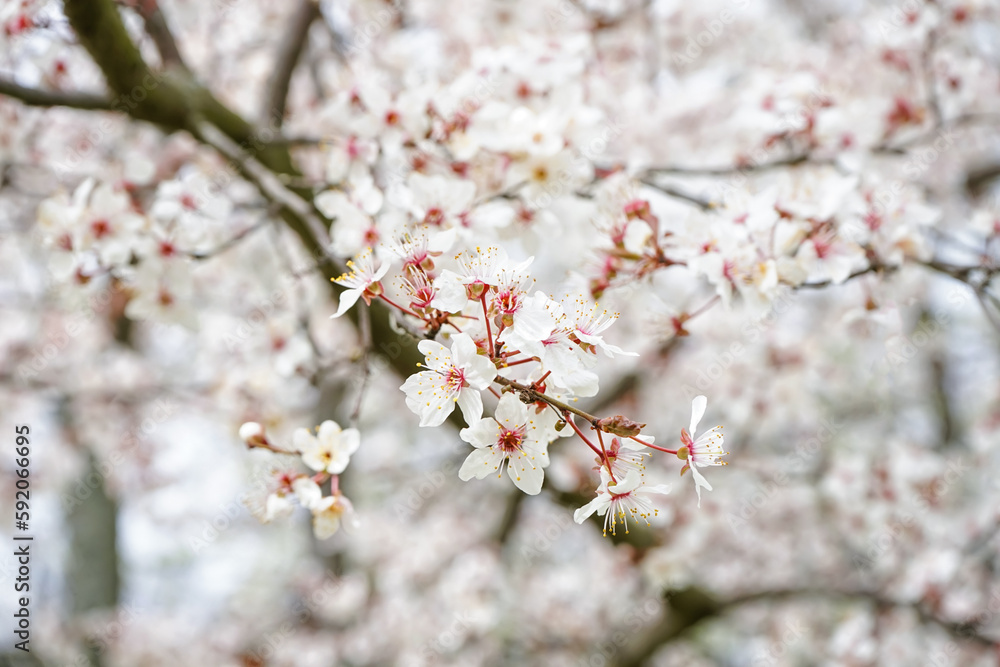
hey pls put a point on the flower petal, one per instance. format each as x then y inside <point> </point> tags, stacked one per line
<point>471,402</point>
<point>581,514</point>
<point>480,463</point>
<point>482,433</point>
<point>511,412</point>
<point>303,440</point>
<point>347,299</point>
<point>699,481</point>
<point>697,412</point>
<point>526,474</point>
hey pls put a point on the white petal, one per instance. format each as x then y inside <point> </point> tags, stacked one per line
<point>699,481</point>
<point>463,350</point>
<point>482,433</point>
<point>631,482</point>
<point>449,292</point>
<point>315,458</point>
<point>350,440</point>
<point>581,514</point>
<point>426,397</point>
<point>437,354</point>
<point>697,412</point>
<point>338,462</point>
<point>480,463</point>
<point>471,402</point>
<point>303,440</point>
<point>325,524</point>
<point>511,412</point>
<point>526,474</point>
<point>480,372</point>
<point>328,433</point>
<point>347,299</point>
<point>308,492</point>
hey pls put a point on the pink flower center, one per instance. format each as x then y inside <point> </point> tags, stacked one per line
<point>510,441</point>
<point>435,216</point>
<point>508,301</point>
<point>100,228</point>
<point>165,298</point>
<point>455,379</point>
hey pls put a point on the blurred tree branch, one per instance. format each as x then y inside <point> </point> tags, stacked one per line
<point>177,102</point>
<point>159,31</point>
<point>290,48</point>
<point>691,606</point>
<point>44,98</point>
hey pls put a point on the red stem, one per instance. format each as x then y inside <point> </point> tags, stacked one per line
<point>569,420</point>
<point>396,305</point>
<point>701,310</point>
<point>659,449</point>
<point>607,461</point>
<point>486,316</point>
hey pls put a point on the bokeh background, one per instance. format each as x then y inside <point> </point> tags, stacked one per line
<point>857,522</point>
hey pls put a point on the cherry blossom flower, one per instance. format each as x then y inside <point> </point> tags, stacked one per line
<point>512,438</point>
<point>277,506</point>
<point>477,271</point>
<point>192,200</point>
<point>307,492</point>
<point>361,282</point>
<point>437,201</point>
<point>704,451</point>
<point>282,489</point>
<point>622,500</point>
<point>589,320</point>
<point>108,225</point>
<point>330,513</point>
<point>163,292</point>
<point>352,210</point>
<point>626,456</point>
<point>455,376</point>
<point>330,449</point>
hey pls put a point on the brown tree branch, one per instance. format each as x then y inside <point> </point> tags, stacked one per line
<point>44,98</point>
<point>160,33</point>
<point>182,104</point>
<point>291,46</point>
<point>691,606</point>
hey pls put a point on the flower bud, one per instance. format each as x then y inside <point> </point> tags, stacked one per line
<point>475,290</point>
<point>252,434</point>
<point>620,425</point>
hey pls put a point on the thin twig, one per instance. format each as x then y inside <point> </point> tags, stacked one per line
<point>159,32</point>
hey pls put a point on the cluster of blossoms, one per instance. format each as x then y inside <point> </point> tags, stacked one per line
<point>535,355</point>
<point>145,239</point>
<point>326,454</point>
<point>691,155</point>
